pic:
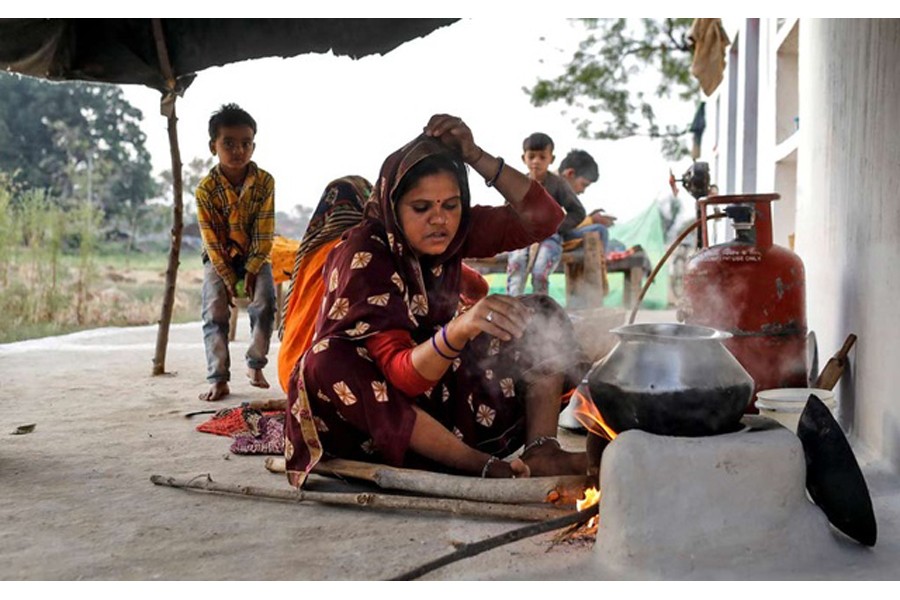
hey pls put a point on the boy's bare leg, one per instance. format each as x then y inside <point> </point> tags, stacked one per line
<point>261,311</point>
<point>217,391</point>
<point>257,379</point>
<point>541,417</point>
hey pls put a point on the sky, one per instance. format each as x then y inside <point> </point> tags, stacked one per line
<point>321,117</point>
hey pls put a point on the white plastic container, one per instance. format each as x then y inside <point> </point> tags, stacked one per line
<point>785,404</point>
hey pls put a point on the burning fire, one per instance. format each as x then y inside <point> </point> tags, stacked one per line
<point>588,415</point>
<point>582,533</point>
<point>591,497</point>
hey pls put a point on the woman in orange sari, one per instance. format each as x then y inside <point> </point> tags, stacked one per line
<point>339,209</point>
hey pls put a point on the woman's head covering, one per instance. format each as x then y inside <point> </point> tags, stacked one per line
<point>374,282</point>
<point>382,205</point>
<point>339,209</point>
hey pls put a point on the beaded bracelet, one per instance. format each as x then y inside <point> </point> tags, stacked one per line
<point>438,350</point>
<point>490,182</point>
<point>447,342</point>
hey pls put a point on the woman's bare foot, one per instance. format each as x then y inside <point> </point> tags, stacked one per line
<point>217,391</point>
<point>257,379</point>
<point>549,459</point>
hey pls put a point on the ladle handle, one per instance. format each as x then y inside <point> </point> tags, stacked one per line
<point>833,370</point>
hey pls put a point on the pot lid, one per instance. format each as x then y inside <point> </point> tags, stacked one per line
<point>833,477</point>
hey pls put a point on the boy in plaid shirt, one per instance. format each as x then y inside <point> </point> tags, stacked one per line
<point>236,213</point>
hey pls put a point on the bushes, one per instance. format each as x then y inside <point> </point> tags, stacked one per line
<point>51,280</point>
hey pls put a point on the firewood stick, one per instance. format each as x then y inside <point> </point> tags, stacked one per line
<point>261,405</point>
<point>268,404</point>
<point>367,500</point>
<point>276,464</point>
<point>565,489</point>
<point>467,550</point>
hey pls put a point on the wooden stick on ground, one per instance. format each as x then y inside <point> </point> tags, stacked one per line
<point>564,489</point>
<point>367,500</point>
<point>515,535</point>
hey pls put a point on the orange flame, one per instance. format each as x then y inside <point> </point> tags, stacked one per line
<point>591,497</point>
<point>588,415</point>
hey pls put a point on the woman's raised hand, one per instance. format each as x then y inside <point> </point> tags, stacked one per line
<point>453,132</point>
<point>501,316</point>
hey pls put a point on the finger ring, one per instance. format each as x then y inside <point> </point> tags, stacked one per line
<point>490,317</point>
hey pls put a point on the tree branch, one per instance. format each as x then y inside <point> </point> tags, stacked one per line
<point>468,550</point>
<point>670,33</point>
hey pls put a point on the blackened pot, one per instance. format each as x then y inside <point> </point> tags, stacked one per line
<point>670,379</point>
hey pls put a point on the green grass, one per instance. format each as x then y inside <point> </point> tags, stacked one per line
<point>125,289</point>
<point>30,331</point>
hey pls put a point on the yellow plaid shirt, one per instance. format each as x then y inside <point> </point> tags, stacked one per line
<point>233,225</point>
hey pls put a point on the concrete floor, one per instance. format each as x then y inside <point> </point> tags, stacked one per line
<point>77,504</point>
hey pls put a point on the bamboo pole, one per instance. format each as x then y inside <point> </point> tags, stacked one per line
<point>167,108</point>
<point>368,500</point>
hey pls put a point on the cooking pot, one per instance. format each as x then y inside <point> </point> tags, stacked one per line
<point>669,379</point>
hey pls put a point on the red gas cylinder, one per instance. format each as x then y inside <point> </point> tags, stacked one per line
<point>754,290</point>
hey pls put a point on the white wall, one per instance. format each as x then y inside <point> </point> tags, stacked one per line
<point>848,220</point>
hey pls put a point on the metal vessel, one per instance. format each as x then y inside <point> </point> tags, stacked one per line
<point>669,379</point>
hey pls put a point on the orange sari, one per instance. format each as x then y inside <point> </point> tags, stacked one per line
<point>301,311</point>
<point>339,209</point>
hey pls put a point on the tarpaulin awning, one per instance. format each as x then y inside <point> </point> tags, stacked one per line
<point>125,51</point>
<point>166,54</point>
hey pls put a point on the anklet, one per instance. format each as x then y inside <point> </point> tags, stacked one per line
<point>487,466</point>
<point>538,442</point>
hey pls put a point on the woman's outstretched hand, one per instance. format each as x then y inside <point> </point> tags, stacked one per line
<point>501,469</point>
<point>501,316</point>
<point>453,132</point>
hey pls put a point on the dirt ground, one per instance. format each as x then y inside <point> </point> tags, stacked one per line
<point>76,501</point>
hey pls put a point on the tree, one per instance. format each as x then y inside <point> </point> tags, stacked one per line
<point>601,77</point>
<point>192,174</point>
<point>293,224</point>
<point>75,140</point>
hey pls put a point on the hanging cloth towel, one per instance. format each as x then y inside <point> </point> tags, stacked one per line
<point>710,41</point>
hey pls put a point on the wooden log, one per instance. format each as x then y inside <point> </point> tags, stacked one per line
<point>564,489</point>
<point>367,500</point>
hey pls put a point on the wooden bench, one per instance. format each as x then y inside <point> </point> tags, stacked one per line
<point>586,270</point>
<point>242,303</point>
<point>632,269</point>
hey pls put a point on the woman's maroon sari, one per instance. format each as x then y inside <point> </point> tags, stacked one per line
<point>339,401</point>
